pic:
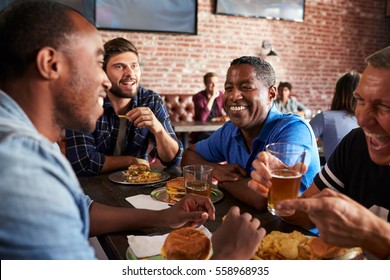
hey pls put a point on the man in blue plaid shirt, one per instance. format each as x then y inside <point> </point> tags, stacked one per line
<point>119,142</point>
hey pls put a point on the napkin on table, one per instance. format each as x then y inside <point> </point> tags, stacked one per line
<point>142,201</point>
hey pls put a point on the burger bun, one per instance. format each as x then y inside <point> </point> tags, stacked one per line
<point>186,244</point>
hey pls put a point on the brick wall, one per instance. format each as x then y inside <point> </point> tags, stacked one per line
<point>336,36</point>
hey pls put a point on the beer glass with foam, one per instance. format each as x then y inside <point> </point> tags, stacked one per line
<point>286,162</point>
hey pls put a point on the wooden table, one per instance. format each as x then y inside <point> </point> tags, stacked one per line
<point>102,190</point>
<point>185,128</point>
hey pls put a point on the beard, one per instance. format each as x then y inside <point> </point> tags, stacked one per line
<point>118,92</point>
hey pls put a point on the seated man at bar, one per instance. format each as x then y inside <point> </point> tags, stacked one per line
<point>56,81</point>
<point>254,123</point>
<point>133,118</point>
<point>208,105</point>
<point>355,178</point>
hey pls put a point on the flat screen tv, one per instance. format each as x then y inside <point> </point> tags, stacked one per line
<point>85,7</point>
<point>292,10</point>
<point>173,16</point>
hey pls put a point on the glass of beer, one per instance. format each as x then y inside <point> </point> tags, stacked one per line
<point>286,162</point>
<point>197,179</point>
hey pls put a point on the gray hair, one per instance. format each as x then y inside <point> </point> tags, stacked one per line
<point>380,59</point>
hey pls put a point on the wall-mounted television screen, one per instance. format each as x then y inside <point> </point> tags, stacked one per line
<point>171,16</point>
<point>177,16</point>
<point>271,9</point>
<point>85,7</point>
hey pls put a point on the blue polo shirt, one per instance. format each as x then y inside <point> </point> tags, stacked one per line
<point>228,144</point>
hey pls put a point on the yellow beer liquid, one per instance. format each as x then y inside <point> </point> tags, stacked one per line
<point>285,185</point>
<point>198,187</point>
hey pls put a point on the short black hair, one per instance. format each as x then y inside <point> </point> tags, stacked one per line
<point>264,71</point>
<point>285,84</point>
<point>25,28</point>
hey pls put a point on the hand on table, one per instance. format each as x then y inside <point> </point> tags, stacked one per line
<point>238,237</point>
<point>228,172</point>
<point>192,210</point>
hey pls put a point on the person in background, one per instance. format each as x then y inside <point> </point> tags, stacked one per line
<point>331,126</point>
<point>118,142</point>
<point>254,123</point>
<point>356,176</point>
<point>286,103</point>
<point>56,81</point>
<point>208,102</point>
<point>208,105</point>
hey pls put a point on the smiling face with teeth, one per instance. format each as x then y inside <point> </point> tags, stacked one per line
<point>246,100</point>
<point>373,112</point>
<point>124,72</point>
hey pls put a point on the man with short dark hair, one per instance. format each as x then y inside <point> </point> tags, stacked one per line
<point>254,123</point>
<point>119,142</point>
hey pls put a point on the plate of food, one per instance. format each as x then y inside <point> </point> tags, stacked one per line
<point>296,246</point>
<point>138,174</point>
<point>174,190</point>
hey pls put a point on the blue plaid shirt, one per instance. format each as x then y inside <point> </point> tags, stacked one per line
<point>86,151</point>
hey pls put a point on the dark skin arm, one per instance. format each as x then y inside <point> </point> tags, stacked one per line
<point>192,210</point>
<point>241,191</point>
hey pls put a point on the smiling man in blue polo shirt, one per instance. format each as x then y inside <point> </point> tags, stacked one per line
<point>254,123</point>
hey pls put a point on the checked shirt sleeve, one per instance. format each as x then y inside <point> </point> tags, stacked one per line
<point>82,154</point>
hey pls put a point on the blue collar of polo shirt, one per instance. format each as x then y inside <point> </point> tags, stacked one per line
<point>273,115</point>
